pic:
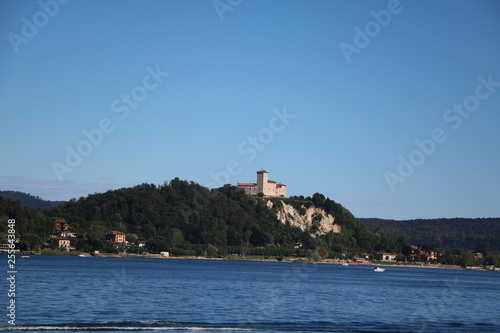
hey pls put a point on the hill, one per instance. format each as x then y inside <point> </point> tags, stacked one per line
<point>29,200</point>
<point>455,233</point>
<point>180,216</point>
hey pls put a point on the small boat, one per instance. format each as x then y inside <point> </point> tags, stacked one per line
<point>378,269</point>
<point>25,256</point>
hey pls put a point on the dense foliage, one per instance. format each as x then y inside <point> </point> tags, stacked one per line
<point>188,219</point>
<point>29,200</point>
<point>459,233</point>
<point>179,215</point>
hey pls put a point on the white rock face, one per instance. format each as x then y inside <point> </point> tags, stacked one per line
<point>323,222</point>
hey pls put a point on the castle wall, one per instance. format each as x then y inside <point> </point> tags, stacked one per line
<point>264,185</point>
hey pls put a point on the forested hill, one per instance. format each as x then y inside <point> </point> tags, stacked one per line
<point>180,214</point>
<point>29,200</point>
<point>459,233</point>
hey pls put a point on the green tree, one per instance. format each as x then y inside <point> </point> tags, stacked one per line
<point>323,252</point>
<point>468,259</point>
<point>318,199</point>
<point>31,242</point>
<point>429,247</point>
<point>82,245</point>
<point>313,256</point>
<point>212,251</point>
<point>132,238</point>
<point>177,238</point>
<point>157,245</point>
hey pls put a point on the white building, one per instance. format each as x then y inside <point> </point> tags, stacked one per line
<point>268,187</point>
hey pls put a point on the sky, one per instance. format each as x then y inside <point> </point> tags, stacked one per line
<point>391,108</point>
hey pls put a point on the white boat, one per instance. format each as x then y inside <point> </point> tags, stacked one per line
<point>378,269</point>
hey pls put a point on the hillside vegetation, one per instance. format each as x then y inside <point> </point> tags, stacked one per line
<point>456,233</point>
<point>187,219</point>
<point>179,216</point>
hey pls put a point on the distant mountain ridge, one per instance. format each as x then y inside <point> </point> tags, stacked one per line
<point>29,200</point>
<point>464,233</point>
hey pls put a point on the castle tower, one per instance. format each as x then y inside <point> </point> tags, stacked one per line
<point>262,181</point>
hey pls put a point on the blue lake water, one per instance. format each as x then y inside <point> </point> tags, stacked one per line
<point>55,293</point>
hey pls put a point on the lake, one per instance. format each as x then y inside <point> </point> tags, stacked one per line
<point>58,293</point>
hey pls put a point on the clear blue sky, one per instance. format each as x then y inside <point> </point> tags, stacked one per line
<point>183,88</point>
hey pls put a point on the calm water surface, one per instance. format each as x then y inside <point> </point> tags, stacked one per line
<point>77,294</point>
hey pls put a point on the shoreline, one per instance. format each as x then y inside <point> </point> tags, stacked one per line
<point>235,258</point>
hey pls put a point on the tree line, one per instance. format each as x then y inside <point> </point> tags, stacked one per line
<point>451,233</point>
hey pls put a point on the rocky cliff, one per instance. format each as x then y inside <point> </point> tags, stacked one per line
<point>312,219</point>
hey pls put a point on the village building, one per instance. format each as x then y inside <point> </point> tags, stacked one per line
<point>414,249</point>
<point>268,187</point>
<point>382,256</point>
<point>428,255</point>
<point>61,225</point>
<point>62,242</point>
<point>67,234</point>
<point>298,245</point>
<point>116,237</point>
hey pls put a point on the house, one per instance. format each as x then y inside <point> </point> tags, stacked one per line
<point>414,249</point>
<point>62,242</point>
<point>428,255</point>
<point>61,225</point>
<point>382,256</point>
<point>141,243</point>
<point>298,245</point>
<point>67,234</point>
<point>269,188</point>
<point>115,237</point>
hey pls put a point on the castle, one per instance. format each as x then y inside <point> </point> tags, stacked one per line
<point>268,187</point>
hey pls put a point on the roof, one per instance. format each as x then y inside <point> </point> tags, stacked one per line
<point>114,232</point>
<point>262,171</point>
<point>271,181</point>
<point>247,184</point>
<point>62,238</point>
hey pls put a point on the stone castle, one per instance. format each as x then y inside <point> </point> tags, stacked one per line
<point>268,187</point>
